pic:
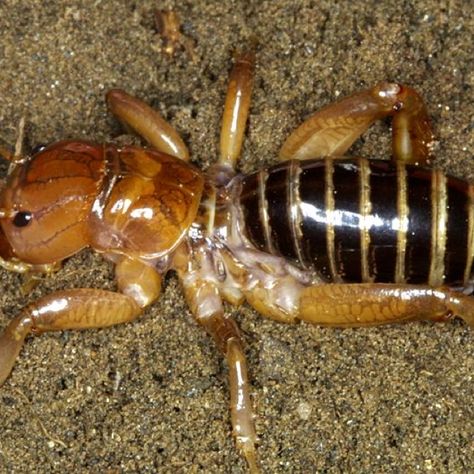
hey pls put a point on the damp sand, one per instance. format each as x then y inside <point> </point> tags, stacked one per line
<point>152,396</point>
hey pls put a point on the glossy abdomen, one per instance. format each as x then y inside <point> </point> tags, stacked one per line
<point>363,220</point>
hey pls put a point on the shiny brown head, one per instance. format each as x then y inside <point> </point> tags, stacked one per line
<point>46,202</point>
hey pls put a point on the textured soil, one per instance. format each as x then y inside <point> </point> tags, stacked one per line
<point>152,396</point>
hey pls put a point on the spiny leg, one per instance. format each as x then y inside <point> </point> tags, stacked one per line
<point>372,304</point>
<point>333,129</point>
<point>412,135</point>
<point>147,122</point>
<point>205,303</point>
<point>81,308</point>
<point>236,108</point>
<point>364,304</point>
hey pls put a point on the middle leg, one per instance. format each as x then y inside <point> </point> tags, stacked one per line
<point>205,302</point>
<point>236,108</point>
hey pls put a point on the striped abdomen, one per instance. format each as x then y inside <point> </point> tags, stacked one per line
<point>363,220</point>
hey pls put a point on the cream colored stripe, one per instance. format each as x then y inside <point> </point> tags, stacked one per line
<point>263,210</point>
<point>403,211</point>
<point>470,237</point>
<point>330,206</point>
<point>365,207</point>
<point>439,218</point>
<point>294,214</point>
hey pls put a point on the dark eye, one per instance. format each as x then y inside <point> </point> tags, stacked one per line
<point>38,148</point>
<point>22,218</point>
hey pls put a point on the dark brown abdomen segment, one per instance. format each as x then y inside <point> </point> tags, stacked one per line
<point>363,220</point>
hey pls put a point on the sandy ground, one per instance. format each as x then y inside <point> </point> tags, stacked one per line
<point>152,396</point>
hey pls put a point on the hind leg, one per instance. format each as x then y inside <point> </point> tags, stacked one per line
<point>372,304</point>
<point>332,130</point>
<point>364,304</point>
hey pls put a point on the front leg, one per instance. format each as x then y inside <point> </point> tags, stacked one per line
<point>68,309</point>
<point>82,308</point>
<point>147,122</point>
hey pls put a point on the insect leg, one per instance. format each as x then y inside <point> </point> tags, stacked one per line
<point>148,123</point>
<point>68,309</point>
<point>411,130</point>
<point>364,304</point>
<point>206,305</point>
<point>82,308</point>
<point>236,108</point>
<point>333,129</point>
<point>168,25</point>
<point>372,304</point>
<point>137,280</point>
